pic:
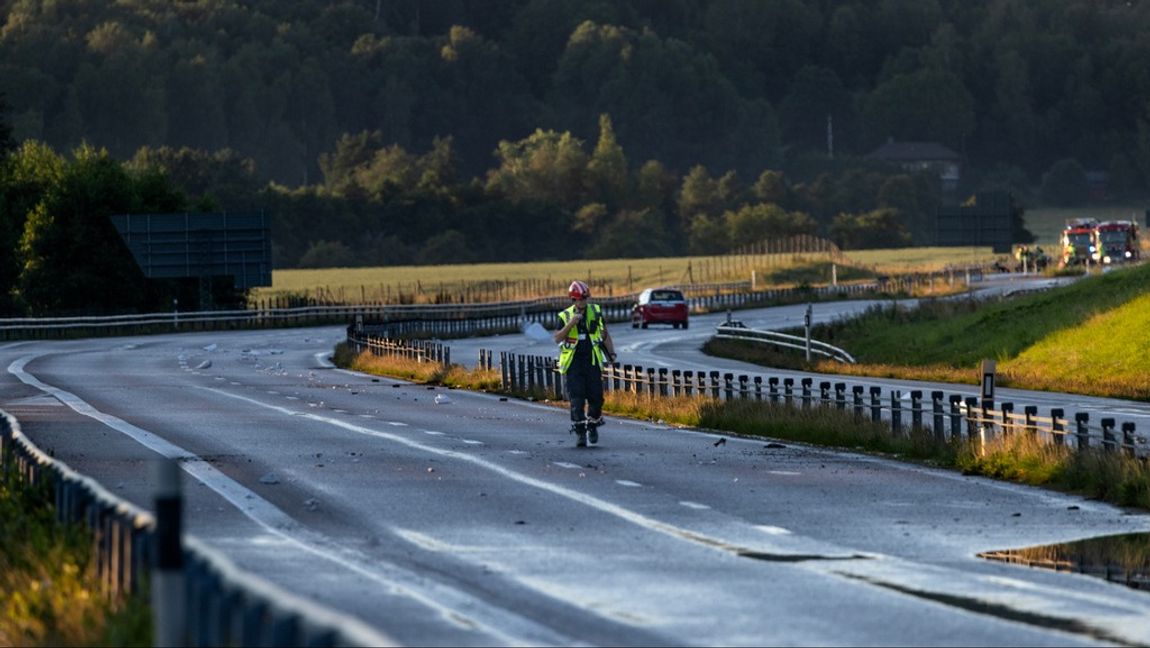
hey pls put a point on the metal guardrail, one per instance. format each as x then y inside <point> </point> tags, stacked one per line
<point>225,606</point>
<point>450,320</point>
<point>733,331</point>
<point>947,416</point>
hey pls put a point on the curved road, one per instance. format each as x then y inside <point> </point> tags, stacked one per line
<point>444,517</point>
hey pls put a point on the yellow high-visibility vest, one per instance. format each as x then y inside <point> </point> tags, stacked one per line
<point>595,333</point>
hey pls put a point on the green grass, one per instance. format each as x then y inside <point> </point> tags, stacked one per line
<point>1089,336</point>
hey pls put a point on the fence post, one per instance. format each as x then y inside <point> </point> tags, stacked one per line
<point>677,382</point>
<point>1029,411</point>
<point>744,391</point>
<point>895,413</point>
<point>1128,438</point>
<point>1057,427</point>
<point>652,388</point>
<point>971,415</point>
<point>806,390</point>
<point>729,386</point>
<point>841,396</point>
<point>1007,420</point>
<point>168,583</point>
<point>663,382</point>
<point>688,381</point>
<point>916,409</point>
<point>857,394</point>
<point>875,404</point>
<point>788,390</point>
<point>1081,419</point>
<point>758,388</point>
<point>715,384</point>
<point>773,388</point>
<point>936,411</point>
<point>1108,441</point>
<point>505,373</point>
<point>955,416</point>
<point>824,392</point>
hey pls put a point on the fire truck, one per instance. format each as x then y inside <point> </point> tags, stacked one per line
<point>1116,242</point>
<point>1078,242</point>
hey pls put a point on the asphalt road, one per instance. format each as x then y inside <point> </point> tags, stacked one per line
<point>444,517</point>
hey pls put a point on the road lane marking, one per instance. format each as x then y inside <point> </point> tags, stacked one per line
<point>628,483</point>
<point>454,606</point>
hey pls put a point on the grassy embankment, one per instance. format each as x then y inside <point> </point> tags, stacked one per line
<point>49,592</point>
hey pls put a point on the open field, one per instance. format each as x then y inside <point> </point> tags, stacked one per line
<point>509,281</point>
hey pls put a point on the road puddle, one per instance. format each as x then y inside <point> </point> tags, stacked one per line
<point>1123,559</point>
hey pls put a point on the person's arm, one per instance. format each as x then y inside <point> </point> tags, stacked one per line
<point>608,343</point>
<point>561,334</point>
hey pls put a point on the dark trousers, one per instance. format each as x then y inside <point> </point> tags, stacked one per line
<point>585,388</point>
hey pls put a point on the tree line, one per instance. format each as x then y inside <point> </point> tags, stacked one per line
<point>1015,86</point>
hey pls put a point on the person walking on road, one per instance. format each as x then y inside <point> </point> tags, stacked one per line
<point>585,346</point>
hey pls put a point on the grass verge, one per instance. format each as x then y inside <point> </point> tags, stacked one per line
<point>1110,477</point>
<point>49,593</point>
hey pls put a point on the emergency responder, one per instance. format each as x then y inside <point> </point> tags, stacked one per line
<point>585,346</point>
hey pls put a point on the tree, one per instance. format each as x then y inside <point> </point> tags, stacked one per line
<point>73,259</point>
<point>7,143</point>
<point>1064,185</point>
<point>699,195</point>
<point>927,105</point>
<point>328,254</point>
<point>754,223</point>
<point>607,168</point>
<point>545,167</point>
<point>632,234</point>
<point>880,228</point>
<point>25,177</point>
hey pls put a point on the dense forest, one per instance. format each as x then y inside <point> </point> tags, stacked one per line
<point>427,131</point>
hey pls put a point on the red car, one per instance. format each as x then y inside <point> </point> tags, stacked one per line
<point>660,306</point>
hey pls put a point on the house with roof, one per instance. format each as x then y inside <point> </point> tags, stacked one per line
<point>923,156</point>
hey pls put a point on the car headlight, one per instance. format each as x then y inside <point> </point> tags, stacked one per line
<point>1129,254</point>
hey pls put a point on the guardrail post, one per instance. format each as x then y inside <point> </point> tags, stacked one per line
<point>936,412</point>
<point>688,381</point>
<point>1081,419</point>
<point>758,388</point>
<point>875,404</point>
<point>701,383</point>
<point>663,382</point>
<point>715,384</point>
<point>652,387</point>
<point>916,410</point>
<point>955,416</point>
<point>168,589</point>
<point>1109,443</point>
<point>744,391</point>
<point>1128,438</point>
<point>895,413</point>
<point>857,395</point>
<point>841,396</point>
<point>788,390</point>
<point>971,417</point>
<point>677,382</point>
<point>773,388</point>
<point>1057,427</point>
<point>824,392</point>
<point>1029,412</point>
<point>1007,419</point>
<point>729,386</point>
<point>530,373</point>
<point>805,383</point>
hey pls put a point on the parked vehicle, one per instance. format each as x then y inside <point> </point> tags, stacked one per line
<point>1077,242</point>
<point>660,306</point>
<point>1116,242</point>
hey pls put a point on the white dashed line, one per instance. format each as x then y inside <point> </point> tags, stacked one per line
<point>624,482</point>
<point>694,505</point>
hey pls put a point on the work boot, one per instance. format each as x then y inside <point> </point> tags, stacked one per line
<point>580,430</point>
<point>593,430</point>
